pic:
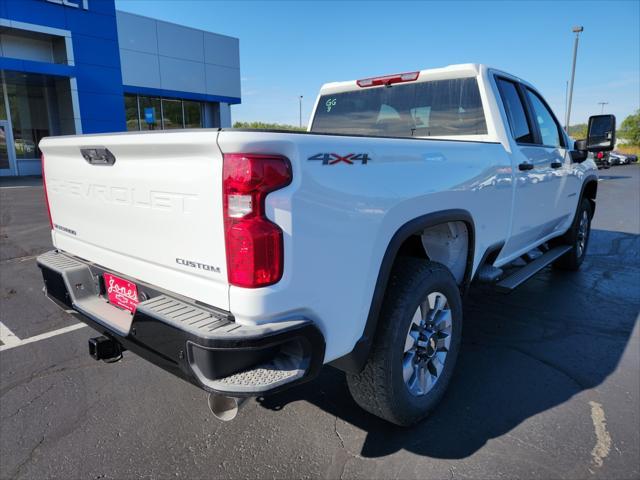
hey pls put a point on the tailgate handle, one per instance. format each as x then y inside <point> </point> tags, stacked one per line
<point>98,156</point>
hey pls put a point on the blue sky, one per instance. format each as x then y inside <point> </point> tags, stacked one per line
<point>291,48</point>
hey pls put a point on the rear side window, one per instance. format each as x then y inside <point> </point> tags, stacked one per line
<point>515,111</point>
<point>549,128</point>
<point>425,109</point>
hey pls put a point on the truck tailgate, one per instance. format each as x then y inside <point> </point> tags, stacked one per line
<point>154,215</point>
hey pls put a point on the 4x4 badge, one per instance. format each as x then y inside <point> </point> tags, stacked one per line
<point>334,158</point>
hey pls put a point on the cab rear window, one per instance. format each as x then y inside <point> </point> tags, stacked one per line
<point>426,109</point>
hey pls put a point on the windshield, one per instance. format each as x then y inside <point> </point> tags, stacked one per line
<point>425,109</point>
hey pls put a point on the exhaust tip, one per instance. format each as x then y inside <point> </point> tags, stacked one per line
<point>224,408</point>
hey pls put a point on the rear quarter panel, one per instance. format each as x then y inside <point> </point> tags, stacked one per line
<point>338,218</point>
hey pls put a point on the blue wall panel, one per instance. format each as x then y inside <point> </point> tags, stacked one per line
<point>98,79</point>
<point>105,7</point>
<point>36,11</point>
<point>101,106</point>
<point>85,22</point>
<point>29,66</point>
<point>92,125</point>
<point>96,53</point>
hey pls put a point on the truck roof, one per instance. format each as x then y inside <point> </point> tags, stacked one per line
<point>450,71</point>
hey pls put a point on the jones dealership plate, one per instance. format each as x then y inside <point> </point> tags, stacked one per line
<point>120,292</point>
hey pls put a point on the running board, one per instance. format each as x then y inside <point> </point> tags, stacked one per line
<point>530,269</point>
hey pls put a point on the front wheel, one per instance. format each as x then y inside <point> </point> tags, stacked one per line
<point>416,344</point>
<point>577,237</point>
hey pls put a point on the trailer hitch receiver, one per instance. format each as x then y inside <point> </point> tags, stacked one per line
<point>105,348</point>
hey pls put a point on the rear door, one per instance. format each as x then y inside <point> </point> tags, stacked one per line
<point>537,184</point>
<point>553,143</point>
<point>154,214</point>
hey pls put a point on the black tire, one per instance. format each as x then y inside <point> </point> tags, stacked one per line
<point>574,257</point>
<point>380,388</point>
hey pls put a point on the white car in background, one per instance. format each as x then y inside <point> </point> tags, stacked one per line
<point>617,158</point>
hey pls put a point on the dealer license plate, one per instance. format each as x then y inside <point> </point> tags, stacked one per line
<point>121,292</point>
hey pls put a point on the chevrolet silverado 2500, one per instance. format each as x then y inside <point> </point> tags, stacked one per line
<point>243,261</point>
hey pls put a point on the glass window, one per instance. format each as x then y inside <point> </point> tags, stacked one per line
<point>425,109</point>
<point>549,129</point>
<point>192,114</point>
<point>515,111</point>
<point>150,113</point>
<point>3,109</point>
<point>29,118</point>
<point>175,113</point>
<point>131,109</point>
<point>171,114</point>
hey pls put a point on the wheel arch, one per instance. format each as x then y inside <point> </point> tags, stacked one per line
<point>403,241</point>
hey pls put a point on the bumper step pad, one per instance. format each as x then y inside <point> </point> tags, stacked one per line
<point>260,377</point>
<point>186,316</point>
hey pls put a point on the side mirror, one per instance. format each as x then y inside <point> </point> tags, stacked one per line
<point>601,133</point>
<point>579,153</point>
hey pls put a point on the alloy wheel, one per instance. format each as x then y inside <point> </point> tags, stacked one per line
<point>427,344</point>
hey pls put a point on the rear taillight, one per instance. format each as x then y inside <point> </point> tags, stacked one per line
<point>388,79</point>
<point>254,246</point>
<point>46,197</point>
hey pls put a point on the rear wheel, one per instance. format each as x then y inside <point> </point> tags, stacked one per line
<point>416,344</point>
<point>577,237</point>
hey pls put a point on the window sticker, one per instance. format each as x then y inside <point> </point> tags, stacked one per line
<point>330,103</point>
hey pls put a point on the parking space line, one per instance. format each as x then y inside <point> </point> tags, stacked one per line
<point>12,342</point>
<point>603,440</point>
<point>7,337</point>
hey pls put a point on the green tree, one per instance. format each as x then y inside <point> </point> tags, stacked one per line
<point>630,129</point>
<point>267,126</point>
<point>578,131</point>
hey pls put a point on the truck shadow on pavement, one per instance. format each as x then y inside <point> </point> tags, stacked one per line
<point>523,353</point>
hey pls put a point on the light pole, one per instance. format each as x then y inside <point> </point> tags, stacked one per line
<point>602,104</point>
<point>577,31</point>
<point>566,98</point>
<point>300,99</point>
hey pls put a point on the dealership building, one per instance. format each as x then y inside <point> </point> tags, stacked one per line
<point>79,66</point>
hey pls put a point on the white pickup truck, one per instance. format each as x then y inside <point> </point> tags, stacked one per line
<point>243,261</point>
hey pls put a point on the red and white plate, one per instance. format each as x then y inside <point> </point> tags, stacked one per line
<point>121,292</point>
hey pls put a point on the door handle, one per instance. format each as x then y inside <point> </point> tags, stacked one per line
<point>525,166</point>
<point>556,164</point>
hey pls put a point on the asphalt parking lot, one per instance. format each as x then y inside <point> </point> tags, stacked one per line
<point>547,384</point>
